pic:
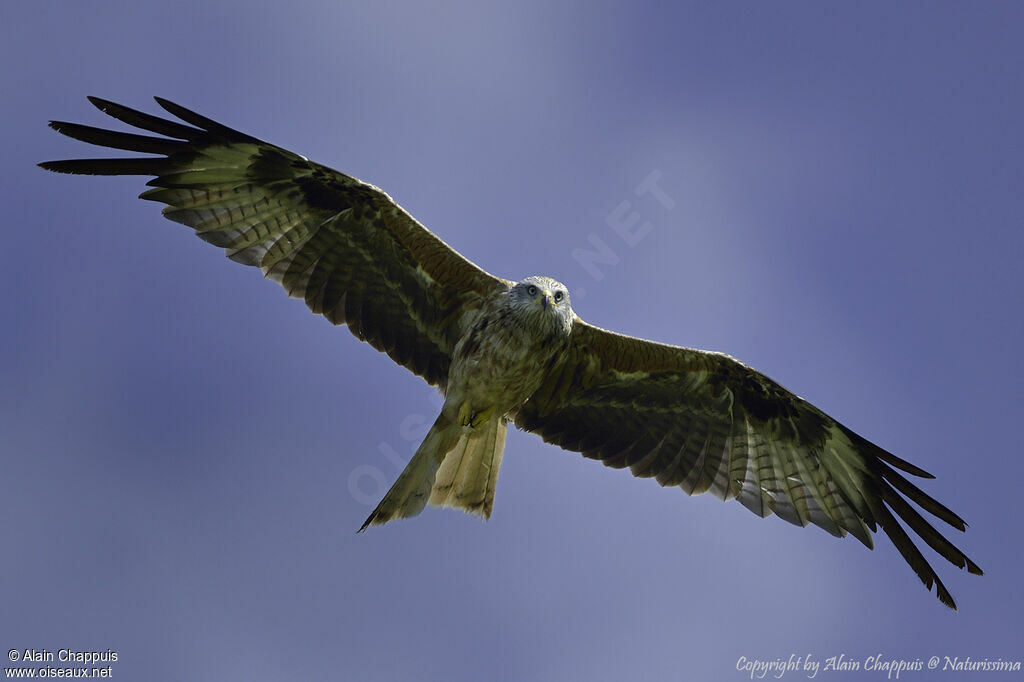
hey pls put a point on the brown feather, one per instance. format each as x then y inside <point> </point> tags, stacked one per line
<point>344,246</point>
<point>706,422</point>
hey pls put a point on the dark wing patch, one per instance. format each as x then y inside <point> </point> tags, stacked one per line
<point>342,245</point>
<point>707,423</point>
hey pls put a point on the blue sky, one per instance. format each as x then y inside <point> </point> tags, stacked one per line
<point>187,453</point>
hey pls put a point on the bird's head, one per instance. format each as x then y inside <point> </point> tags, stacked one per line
<point>544,302</point>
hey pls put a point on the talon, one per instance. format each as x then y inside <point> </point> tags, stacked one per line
<point>466,414</point>
<point>480,418</point>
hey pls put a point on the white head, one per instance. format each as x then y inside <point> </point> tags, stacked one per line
<point>543,304</point>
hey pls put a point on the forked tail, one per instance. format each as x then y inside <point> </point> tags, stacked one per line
<point>453,467</point>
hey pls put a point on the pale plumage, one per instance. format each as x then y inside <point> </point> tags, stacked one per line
<point>504,351</point>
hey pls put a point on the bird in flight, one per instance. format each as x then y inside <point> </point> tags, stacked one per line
<point>504,351</point>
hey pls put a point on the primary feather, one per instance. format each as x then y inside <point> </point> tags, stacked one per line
<point>502,350</point>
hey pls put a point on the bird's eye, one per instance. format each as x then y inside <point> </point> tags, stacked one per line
<point>558,296</point>
<point>531,290</point>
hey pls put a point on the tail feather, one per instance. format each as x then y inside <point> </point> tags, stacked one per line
<point>409,495</point>
<point>453,467</point>
<point>469,474</point>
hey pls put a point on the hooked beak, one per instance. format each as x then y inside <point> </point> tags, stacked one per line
<point>545,299</point>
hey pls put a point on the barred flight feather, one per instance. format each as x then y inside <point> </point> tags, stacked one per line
<point>723,428</point>
<point>318,232</point>
<point>696,420</point>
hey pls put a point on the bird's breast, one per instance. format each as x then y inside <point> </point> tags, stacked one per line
<point>500,364</point>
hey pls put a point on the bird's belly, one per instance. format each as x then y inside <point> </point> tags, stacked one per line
<point>499,373</point>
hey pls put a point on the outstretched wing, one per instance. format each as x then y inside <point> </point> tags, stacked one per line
<point>343,245</point>
<point>705,422</point>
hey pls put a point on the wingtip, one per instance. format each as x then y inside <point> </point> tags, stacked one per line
<point>60,126</point>
<point>944,596</point>
<point>55,166</point>
<point>99,102</point>
<point>173,108</point>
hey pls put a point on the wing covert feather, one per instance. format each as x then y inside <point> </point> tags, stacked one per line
<point>689,418</point>
<point>705,422</point>
<point>354,255</point>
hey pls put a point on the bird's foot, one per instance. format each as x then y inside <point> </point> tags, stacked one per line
<point>467,417</point>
